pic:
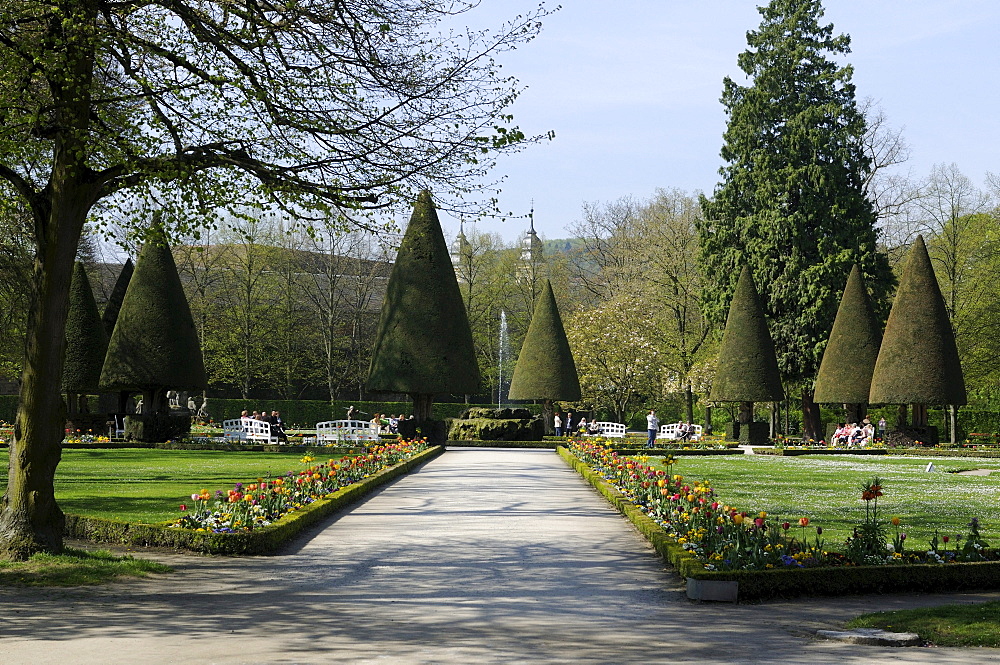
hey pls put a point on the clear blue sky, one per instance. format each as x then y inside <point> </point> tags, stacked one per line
<point>632,88</point>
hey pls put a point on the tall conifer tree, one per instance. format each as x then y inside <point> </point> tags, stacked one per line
<point>423,345</point>
<point>791,203</point>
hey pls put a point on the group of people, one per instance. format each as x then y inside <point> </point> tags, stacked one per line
<point>856,435</point>
<point>273,419</point>
<point>567,427</point>
<point>685,430</point>
<point>387,424</point>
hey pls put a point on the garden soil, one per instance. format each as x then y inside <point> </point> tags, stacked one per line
<point>482,556</point>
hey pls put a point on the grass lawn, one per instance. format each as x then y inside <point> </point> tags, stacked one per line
<point>826,490</point>
<point>140,485</point>
<point>946,625</point>
<point>75,568</point>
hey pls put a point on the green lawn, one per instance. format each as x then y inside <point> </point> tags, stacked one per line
<point>75,568</point>
<point>139,485</point>
<point>825,489</point>
<point>945,626</point>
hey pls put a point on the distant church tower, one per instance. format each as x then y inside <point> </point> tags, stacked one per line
<point>461,254</point>
<point>531,245</point>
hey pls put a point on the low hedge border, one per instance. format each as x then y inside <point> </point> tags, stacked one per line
<point>676,452</point>
<point>900,452</point>
<point>668,548</point>
<point>221,446</point>
<point>265,540</point>
<point>500,444</point>
<point>755,585</point>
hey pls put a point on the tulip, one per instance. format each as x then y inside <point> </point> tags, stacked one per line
<point>945,539</point>
<point>819,531</point>
<point>895,521</point>
<point>785,525</point>
<point>803,521</point>
<point>183,507</point>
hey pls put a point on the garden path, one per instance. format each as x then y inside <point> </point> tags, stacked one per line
<point>483,556</point>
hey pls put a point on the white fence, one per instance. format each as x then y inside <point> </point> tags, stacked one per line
<point>247,429</point>
<point>345,431</point>
<point>614,430</point>
<point>672,432</point>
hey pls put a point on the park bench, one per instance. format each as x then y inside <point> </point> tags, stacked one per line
<point>672,432</point>
<point>240,429</point>
<point>614,430</point>
<point>345,431</point>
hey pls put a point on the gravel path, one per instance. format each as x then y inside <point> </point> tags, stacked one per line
<point>483,556</point>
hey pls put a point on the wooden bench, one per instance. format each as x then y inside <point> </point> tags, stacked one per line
<point>672,432</point>
<point>240,429</point>
<point>613,430</point>
<point>345,431</point>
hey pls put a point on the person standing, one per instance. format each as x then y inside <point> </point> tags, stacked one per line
<point>881,429</point>
<point>557,421</point>
<point>652,427</point>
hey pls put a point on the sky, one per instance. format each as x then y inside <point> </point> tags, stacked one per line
<point>631,90</point>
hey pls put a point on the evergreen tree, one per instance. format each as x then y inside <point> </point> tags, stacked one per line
<point>747,370</point>
<point>791,203</point>
<point>114,304</point>
<point>545,369</point>
<point>918,362</point>
<point>154,347</point>
<point>86,341</point>
<point>845,375</point>
<point>423,345</point>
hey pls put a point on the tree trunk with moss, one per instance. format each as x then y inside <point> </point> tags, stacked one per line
<point>746,413</point>
<point>548,417</point>
<point>30,519</point>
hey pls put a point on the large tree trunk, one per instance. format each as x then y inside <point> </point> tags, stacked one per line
<point>688,405</point>
<point>422,405</point>
<point>746,413</point>
<point>30,519</point>
<point>548,417</point>
<point>811,422</point>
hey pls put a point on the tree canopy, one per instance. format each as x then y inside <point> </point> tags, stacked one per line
<point>423,345</point>
<point>154,346</point>
<point>791,202</point>
<point>747,370</point>
<point>86,341</point>
<point>918,362</point>
<point>845,375</point>
<point>545,367</point>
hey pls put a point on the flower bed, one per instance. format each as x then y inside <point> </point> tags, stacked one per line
<point>311,499</point>
<point>709,540</point>
<point>258,504</point>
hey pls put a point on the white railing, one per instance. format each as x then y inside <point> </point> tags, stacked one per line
<point>672,432</point>
<point>247,429</point>
<point>614,430</point>
<point>345,431</point>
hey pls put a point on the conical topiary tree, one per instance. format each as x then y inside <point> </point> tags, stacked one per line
<point>918,361</point>
<point>545,369</point>
<point>154,346</point>
<point>845,373</point>
<point>118,402</point>
<point>114,304</point>
<point>747,370</point>
<point>86,341</point>
<point>423,345</point>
